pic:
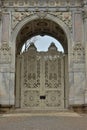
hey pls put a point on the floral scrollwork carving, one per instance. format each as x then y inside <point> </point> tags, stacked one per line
<point>66,17</point>
<point>31,99</point>
<point>5,54</point>
<point>78,53</point>
<point>18,16</point>
<point>53,98</point>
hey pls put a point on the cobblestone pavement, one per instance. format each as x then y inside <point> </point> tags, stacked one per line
<point>59,121</point>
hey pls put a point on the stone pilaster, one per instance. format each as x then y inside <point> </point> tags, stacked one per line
<point>85,39</point>
<point>78,60</point>
<point>6,72</point>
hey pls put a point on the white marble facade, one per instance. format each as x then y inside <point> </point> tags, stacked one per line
<point>19,21</point>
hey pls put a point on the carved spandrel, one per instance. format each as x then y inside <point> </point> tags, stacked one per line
<point>66,17</point>
<point>19,16</point>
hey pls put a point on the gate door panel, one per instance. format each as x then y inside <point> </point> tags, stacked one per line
<point>31,81</point>
<point>42,79</point>
<point>54,81</point>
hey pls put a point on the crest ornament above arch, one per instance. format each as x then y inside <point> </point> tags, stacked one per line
<point>42,14</point>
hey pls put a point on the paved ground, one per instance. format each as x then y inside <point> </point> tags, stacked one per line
<point>53,121</point>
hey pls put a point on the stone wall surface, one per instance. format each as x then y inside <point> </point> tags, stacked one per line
<point>70,16</point>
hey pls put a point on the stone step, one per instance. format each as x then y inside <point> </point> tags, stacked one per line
<point>37,111</point>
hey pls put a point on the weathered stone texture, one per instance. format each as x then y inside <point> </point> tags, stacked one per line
<point>64,20</point>
<point>78,27</point>
<point>5,28</point>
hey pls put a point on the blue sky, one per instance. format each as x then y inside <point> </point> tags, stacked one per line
<point>43,42</point>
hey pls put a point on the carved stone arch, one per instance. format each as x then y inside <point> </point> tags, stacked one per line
<point>66,32</point>
<point>50,17</point>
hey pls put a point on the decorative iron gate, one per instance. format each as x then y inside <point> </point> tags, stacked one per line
<point>41,79</point>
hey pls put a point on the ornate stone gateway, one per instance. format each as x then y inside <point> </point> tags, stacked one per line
<point>41,79</point>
